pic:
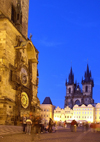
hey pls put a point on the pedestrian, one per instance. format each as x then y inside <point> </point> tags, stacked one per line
<point>24,123</point>
<point>35,127</point>
<point>50,125</point>
<point>29,123</point>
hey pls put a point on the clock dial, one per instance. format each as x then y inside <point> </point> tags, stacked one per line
<point>24,76</point>
<point>24,100</point>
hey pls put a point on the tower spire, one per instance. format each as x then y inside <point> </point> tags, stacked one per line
<point>71,77</point>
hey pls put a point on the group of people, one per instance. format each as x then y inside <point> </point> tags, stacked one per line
<point>35,125</point>
<point>74,125</point>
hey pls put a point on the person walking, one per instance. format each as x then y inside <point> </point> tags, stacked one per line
<point>50,125</point>
<point>35,128</point>
<point>29,123</point>
<point>24,123</point>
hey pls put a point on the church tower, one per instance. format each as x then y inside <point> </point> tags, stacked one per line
<point>18,63</point>
<point>87,88</point>
<point>70,89</point>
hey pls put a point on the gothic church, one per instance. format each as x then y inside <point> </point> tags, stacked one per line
<point>74,94</point>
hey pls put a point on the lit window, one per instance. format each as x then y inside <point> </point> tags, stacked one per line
<point>99,117</point>
<point>65,116</point>
<point>47,115</point>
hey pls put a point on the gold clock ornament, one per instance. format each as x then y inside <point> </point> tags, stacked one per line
<point>24,100</point>
<point>24,76</point>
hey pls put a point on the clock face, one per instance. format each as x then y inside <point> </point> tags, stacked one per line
<point>24,100</point>
<point>24,76</point>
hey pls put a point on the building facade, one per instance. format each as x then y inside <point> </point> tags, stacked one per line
<point>74,94</point>
<point>47,109</point>
<point>18,63</point>
<point>81,113</point>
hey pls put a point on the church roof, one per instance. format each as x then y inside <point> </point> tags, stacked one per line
<point>71,77</point>
<point>47,100</point>
<point>87,76</point>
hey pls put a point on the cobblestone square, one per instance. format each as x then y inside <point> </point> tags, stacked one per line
<point>62,135</point>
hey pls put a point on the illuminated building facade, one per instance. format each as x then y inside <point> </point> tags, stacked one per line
<point>79,113</point>
<point>47,109</point>
<point>18,63</point>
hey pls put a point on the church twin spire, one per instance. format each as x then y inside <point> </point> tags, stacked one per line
<point>87,76</point>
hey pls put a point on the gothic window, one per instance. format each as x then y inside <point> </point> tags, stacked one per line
<point>86,89</point>
<point>69,90</point>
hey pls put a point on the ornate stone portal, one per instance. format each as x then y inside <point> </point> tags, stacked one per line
<point>18,68</point>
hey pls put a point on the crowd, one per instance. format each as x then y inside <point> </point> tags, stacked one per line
<point>36,125</point>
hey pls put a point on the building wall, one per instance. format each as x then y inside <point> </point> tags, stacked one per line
<point>79,113</point>
<point>10,90</point>
<point>47,111</point>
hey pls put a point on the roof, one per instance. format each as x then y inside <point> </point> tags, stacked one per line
<point>47,100</point>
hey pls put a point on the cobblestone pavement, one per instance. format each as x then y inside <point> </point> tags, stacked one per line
<point>62,135</point>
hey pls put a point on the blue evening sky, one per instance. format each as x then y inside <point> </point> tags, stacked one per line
<point>66,33</point>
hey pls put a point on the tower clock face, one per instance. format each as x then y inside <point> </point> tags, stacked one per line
<point>24,76</point>
<point>24,100</point>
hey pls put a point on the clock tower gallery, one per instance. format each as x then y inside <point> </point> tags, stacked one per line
<point>18,63</point>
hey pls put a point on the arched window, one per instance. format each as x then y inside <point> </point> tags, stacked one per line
<point>69,90</point>
<point>86,89</point>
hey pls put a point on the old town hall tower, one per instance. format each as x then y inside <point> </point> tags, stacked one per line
<point>74,94</point>
<point>18,63</point>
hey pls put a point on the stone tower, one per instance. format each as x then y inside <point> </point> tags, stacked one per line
<point>70,89</point>
<point>87,85</point>
<point>18,63</point>
<point>17,12</point>
<point>74,94</point>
